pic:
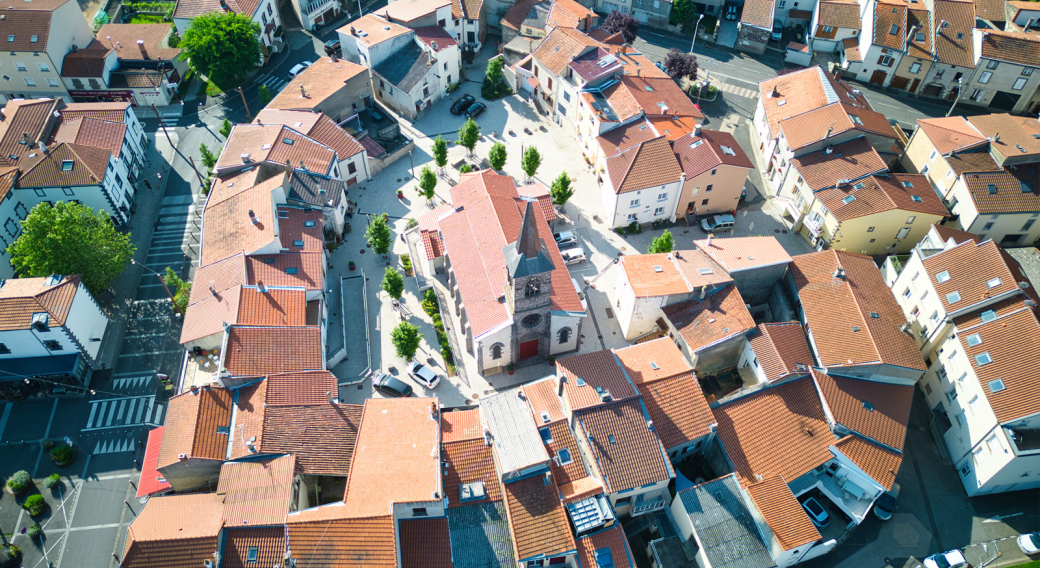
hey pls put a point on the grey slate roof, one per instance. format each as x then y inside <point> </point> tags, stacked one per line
<point>537,16</point>
<point>724,525</point>
<point>480,536</point>
<point>307,186</point>
<point>405,68</point>
<point>514,434</point>
<point>526,257</point>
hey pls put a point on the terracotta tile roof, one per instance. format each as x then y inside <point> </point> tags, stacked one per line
<point>1011,136</point>
<point>303,388</point>
<point>276,306</point>
<point>1008,192</point>
<point>425,543</point>
<point>851,48</point>
<point>231,184</point>
<point>698,154</point>
<point>781,350</point>
<point>474,244</point>
<point>946,233</point>
<point>321,437</point>
<point>1010,339</point>
<point>627,453</point>
<point>953,43</point>
<point>460,425</point>
<point>436,37</point>
<point>375,28</point>
<point>706,322</point>
<point>192,423</point>
<point>877,411</point>
<point>569,14</point>
<point>570,473</point>
<point>469,461</point>
<point>397,456</point>
<point>188,9</point>
<point>838,312</point>
<point>273,269</point>
<point>174,530</point>
<point>227,227</point>
<point>840,14</point>
<point>848,160</point>
<point>342,542</point>
<point>758,13</point>
<point>1022,48</point>
<point>248,419</point>
<point>92,132</point>
<point>124,38</point>
<point>297,224</point>
<point>653,361</point>
<point>605,37</point>
<point>682,275</point>
<point>779,431</point>
<point>412,10</point>
<point>875,461</point>
<point>990,10</point>
<point>624,137</point>
<point>597,369</point>
<point>472,8</point>
<point>678,408</point>
<point>972,162</point>
<point>883,193</point>
<point>327,132</point>
<point>890,24</point>
<point>320,81</point>
<point>7,178</point>
<point>831,120</point>
<point>971,266</point>
<point>21,298</point>
<point>783,513</point>
<point>114,112</point>
<point>429,231</point>
<point>734,254</point>
<point>580,489</point>
<point>796,93</point>
<point>25,125</point>
<point>541,397</point>
<point>269,542</point>
<point>612,540</point>
<point>206,316</point>
<point>47,169</point>
<point>560,46</point>
<point>537,519</point>
<point>256,351</point>
<point>654,96</point>
<point>517,13</point>
<point>675,127</point>
<point>273,143</point>
<point>951,133</point>
<point>920,21</point>
<point>256,493</point>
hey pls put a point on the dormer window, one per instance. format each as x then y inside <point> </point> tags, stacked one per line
<point>993,283</point>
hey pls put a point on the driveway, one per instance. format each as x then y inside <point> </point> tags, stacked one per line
<point>727,33</point>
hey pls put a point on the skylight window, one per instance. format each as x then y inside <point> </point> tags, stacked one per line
<point>310,223</point>
<point>10,38</point>
<point>875,315</point>
<point>916,198</point>
<point>705,271</point>
<point>1026,186</point>
<point>291,270</point>
<point>34,39</point>
<point>610,438</point>
<point>908,184</point>
<point>988,316</point>
<point>993,282</point>
<point>953,297</point>
<point>289,141</point>
<point>859,186</point>
<point>849,199</point>
<point>894,30</point>
<point>974,339</point>
<point>983,359</point>
<point>943,276</point>
<point>856,119</point>
<point>992,189</point>
<point>298,243</point>
<point>960,35</point>
<point>580,382</point>
<point>728,151</point>
<point>697,143</point>
<point>66,165</point>
<point>564,455</point>
<point>996,386</point>
<point>253,554</point>
<point>546,435</point>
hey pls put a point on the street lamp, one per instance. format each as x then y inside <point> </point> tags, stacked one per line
<point>694,42</point>
<point>161,280</point>
<point>960,89</point>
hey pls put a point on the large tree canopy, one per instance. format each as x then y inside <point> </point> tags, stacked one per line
<point>679,64</point>
<point>222,45</point>
<point>624,23</point>
<point>71,238</point>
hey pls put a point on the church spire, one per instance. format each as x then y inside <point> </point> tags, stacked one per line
<point>528,244</point>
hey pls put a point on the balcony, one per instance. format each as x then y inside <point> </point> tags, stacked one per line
<point>646,503</point>
<point>814,224</point>
<point>316,7</point>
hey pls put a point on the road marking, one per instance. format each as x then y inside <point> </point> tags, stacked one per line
<point>150,352</point>
<point>144,336</point>
<point>93,409</point>
<point>132,373</point>
<point>113,406</point>
<point>140,410</point>
<point>3,419</point>
<point>176,252</point>
<point>112,411</point>
<point>129,410</point>
<point>171,247</point>
<point>177,200</point>
<point>94,527</point>
<point>175,210</point>
<point>119,476</point>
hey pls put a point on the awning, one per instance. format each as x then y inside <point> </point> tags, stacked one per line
<point>533,82</point>
<point>151,481</point>
<point>804,15</point>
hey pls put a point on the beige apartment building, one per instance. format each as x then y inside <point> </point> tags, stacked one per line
<point>35,36</point>
<point>716,169</point>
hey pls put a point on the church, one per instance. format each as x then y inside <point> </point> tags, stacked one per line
<point>511,290</point>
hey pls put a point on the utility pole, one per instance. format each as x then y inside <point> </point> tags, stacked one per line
<point>162,280</point>
<point>249,115</point>
<point>194,167</point>
<point>163,125</point>
<point>960,91</point>
<point>694,42</point>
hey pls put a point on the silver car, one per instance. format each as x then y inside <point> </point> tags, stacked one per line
<point>565,239</point>
<point>424,375</point>
<point>573,256</point>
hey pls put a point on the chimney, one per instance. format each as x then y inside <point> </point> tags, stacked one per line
<point>260,284</point>
<point>837,73</point>
<point>559,389</point>
<point>829,150</point>
<point>704,292</point>
<point>245,158</point>
<point>252,217</point>
<point>775,94</point>
<point>353,32</point>
<point>144,50</point>
<point>212,288</point>
<point>697,129</point>
<point>303,92</point>
<point>709,239</point>
<point>328,396</point>
<point>333,57</point>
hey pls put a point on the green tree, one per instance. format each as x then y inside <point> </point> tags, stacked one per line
<point>265,95</point>
<point>405,338</point>
<point>440,152</point>
<point>494,70</point>
<point>180,289</point>
<point>393,283</point>
<point>468,135</point>
<point>497,156</point>
<point>682,11</point>
<point>465,169</point>
<point>664,243</point>
<point>427,182</point>
<point>222,45</point>
<point>530,162</point>
<point>208,158</point>
<point>71,238</point>
<point>225,128</point>
<point>378,235</point>
<point>561,189</point>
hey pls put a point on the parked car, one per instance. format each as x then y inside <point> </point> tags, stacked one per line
<point>332,47</point>
<point>298,68</point>
<point>1029,543</point>
<point>462,104</point>
<point>778,30</point>
<point>716,223</point>
<point>424,375</point>
<point>475,110</point>
<point>565,239</point>
<point>573,255</point>
<point>817,514</point>
<point>390,385</point>
<point>731,11</point>
<point>951,559</point>
<point>886,504</point>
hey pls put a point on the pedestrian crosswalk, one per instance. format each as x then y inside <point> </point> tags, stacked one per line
<point>116,445</point>
<point>131,383</point>
<point>274,83</point>
<point>739,91</point>
<point>110,413</point>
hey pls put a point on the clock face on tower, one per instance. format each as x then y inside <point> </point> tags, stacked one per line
<point>532,288</point>
<point>531,321</point>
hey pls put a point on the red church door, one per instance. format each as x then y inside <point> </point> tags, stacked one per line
<point>529,349</point>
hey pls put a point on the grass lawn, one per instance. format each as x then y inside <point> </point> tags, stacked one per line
<point>1033,564</point>
<point>147,19</point>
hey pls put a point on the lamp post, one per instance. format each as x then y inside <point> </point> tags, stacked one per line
<point>960,89</point>
<point>694,42</point>
<point>161,280</point>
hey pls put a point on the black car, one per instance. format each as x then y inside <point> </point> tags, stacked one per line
<point>462,104</point>
<point>391,386</point>
<point>475,109</point>
<point>332,47</point>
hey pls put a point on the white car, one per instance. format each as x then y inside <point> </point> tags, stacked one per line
<point>424,375</point>
<point>1029,543</point>
<point>299,67</point>
<point>573,255</point>
<point>951,559</point>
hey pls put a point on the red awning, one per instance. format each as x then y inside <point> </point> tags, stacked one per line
<point>151,481</point>
<point>533,82</point>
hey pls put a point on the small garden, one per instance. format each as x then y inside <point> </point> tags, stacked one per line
<point>494,86</point>
<point>431,307</point>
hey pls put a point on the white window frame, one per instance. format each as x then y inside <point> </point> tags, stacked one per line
<point>1020,83</point>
